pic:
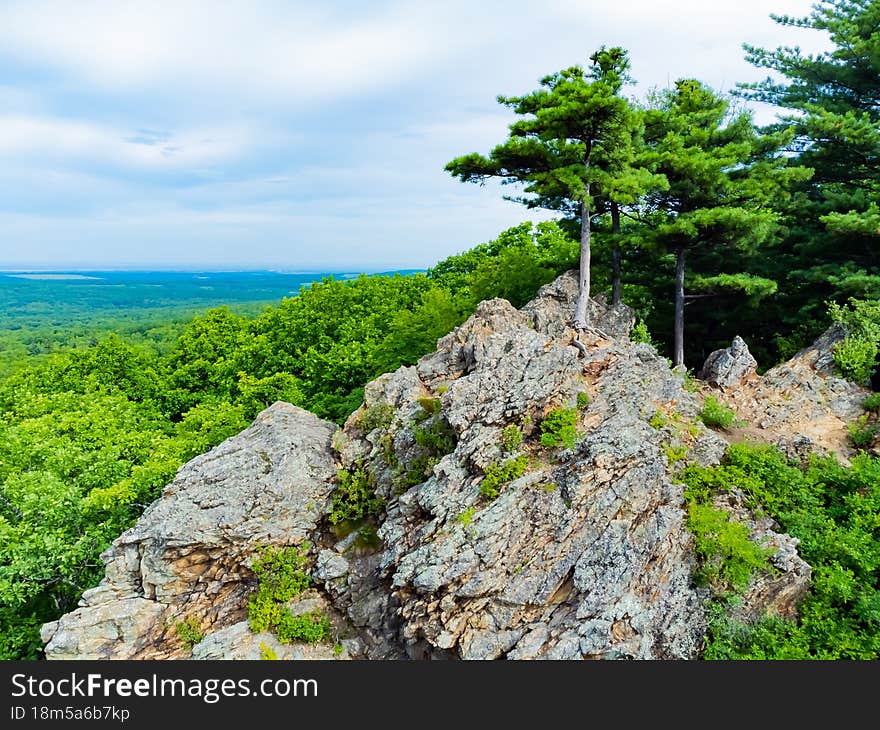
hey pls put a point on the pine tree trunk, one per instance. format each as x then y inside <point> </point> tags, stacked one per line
<point>615,254</point>
<point>582,310</point>
<point>678,349</point>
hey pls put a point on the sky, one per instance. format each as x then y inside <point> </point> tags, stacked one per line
<point>300,135</point>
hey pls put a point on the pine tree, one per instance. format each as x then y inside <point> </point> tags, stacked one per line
<point>571,150</point>
<point>834,249</point>
<point>722,177</point>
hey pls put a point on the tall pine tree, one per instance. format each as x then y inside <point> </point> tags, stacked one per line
<point>571,149</point>
<point>722,177</point>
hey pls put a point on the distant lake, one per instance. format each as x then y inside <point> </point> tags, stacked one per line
<point>57,298</point>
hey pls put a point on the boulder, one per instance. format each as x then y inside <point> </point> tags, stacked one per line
<point>729,367</point>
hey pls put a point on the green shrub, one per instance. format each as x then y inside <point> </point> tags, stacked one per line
<point>872,403</point>
<point>559,428</point>
<point>431,406</point>
<point>675,454</point>
<point>466,517</point>
<point>354,498</point>
<point>282,571</point>
<point>436,437</point>
<point>855,358</point>
<point>311,628</point>
<point>834,511</point>
<point>861,433</point>
<point>728,558</point>
<point>189,631</point>
<point>282,575</point>
<point>267,652</point>
<point>583,400</point>
<point>511,438</point>
<point>715,414</point>
<point>380,415</point>
<point>497,475</point>
<point>640,333</point>
<point>658,420</point>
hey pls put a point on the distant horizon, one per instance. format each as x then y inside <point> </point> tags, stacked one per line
<point>176,269</point>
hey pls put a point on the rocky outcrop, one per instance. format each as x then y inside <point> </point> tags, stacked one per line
<point>493,542</point>
<point>188,555</point>
<point>729,367</point>
<point>800,405</point>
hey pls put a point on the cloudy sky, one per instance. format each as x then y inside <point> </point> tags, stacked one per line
<point>300,135</point>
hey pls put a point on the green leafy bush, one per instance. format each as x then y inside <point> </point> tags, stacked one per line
<point>354,498</point>
<point>855,359</point>
<point>311,628</point>
<point>728,557</point>
<point>559,428</point>
<point>379,415</point>
<point>862,433</point>
<point>189,631</point>
<point>267,652</point>
<point>497,475</point>
<point>282,575</point>
<point>872,403</point>
<point>715,414</point>
<point>834,511</point>
<point>511,438</point>
<point>583,400</point>
<point>640,333</point>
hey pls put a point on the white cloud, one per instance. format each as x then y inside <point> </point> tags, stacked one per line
<point>298,51</point>
<point>42,138</point>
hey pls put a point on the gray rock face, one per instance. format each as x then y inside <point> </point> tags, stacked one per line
<point>553,307</point>
<point>801,404</point>
<point>188,554</point>
<point>729,367</point>
<point>586,553</point>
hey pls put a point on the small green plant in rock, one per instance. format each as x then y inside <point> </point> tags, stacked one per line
<point>675,454</point>
<point>436,437</point>
<point>583,400</point>
<point>728,557</point>
<point>354,498</point>
<point>559,428</point>
<point>267,652</point>
<point>338,649</point>
<point>282,576</point>
<point>861,433</point>
<point>640,333</point>
<point>430,407</point>
<point>511,438</point>
<point>466,517</point>
<point>872,403</point>
<point>380,415</point>
<point>715,414</point>
<point>311,628</point>
<point>658,420</point>
<point>189,631</point>
<point>497,475</point>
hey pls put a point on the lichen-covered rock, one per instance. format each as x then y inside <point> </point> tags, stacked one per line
<point>188,554</point>
<point>729,367</point>
<point>586,554</point>
<point>801,400</point>
<point>552,310</point>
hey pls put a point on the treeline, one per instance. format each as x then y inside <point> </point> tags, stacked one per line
<point>709,224</point>
<point>89,436</point>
